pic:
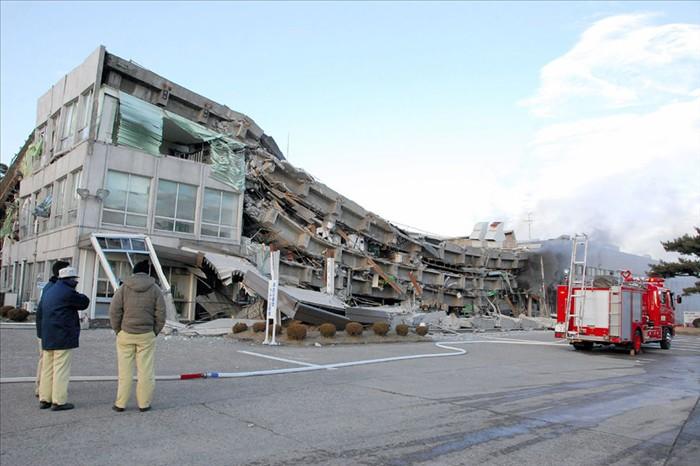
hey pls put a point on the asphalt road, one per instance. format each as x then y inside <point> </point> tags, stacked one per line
<point>513,398</point>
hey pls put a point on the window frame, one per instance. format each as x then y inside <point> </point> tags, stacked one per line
<point>234,205</point>
<point>175,220</point>
<point>126,212</point>
<point>85,114</point>
<point>67,125</point>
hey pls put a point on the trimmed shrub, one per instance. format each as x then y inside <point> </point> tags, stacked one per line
<point>240,327</point>
<point>327,330</point>
<point>5,310</point>
<point>422,330</point>
<point>259,327</point>
<point>402,329</point>
<point>296,332</point>
<point>353,329</point>
<point>380,328</point>
<point>696,323</point>
<point>18,315</point>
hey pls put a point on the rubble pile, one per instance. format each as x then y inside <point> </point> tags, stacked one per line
<point>378,270</point>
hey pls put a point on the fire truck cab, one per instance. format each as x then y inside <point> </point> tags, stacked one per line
<point>638,310</point>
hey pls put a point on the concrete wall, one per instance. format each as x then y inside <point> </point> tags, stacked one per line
<point>70,86</point>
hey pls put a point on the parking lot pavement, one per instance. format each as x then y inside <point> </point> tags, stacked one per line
<point>512,398</point>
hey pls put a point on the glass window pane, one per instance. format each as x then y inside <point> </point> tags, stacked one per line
<point>138,244</point>
<point>117,183</point>
<point>138,194</point>
<point>186,202</point>
<point>226,232</point>
<point>136,220</point>
<point>113,217</point>
<point>212,203</point>
<point>227,208</point>
<point>113,243</point>
<point>163,224</point>
<point>184,227</point>
<point>165,201</point>
<point>210,230</point>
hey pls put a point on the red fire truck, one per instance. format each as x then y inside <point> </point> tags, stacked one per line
<point>635,311</point>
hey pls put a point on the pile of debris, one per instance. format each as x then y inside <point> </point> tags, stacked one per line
<point>341,263</point>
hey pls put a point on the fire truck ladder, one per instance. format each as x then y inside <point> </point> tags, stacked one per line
<point>577,279</point>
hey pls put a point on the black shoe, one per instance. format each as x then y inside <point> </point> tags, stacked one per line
<point>63,407</point>
<point>117,409</point>
<point>44,404</point>
<point>143,410</point>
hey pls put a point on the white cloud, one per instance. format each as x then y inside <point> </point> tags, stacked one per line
<point>618,62</point>
<point>623,156</point>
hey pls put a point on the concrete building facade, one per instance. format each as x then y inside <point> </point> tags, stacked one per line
<point>99,165</point>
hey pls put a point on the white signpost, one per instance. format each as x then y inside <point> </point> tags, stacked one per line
<point>330,275</point>
<point>272,289</point>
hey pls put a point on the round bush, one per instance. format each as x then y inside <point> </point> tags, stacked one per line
<point>353,329</point>
<point>327,330</point>
<point>240,327</point>
<point>5,310</point>
<point>259,327</point>
<point>296,332</point>
<point>402,329</point>
<point>380,328</point>
<point>18,315</point>
<point>696,323</point>
<point>422,330</point>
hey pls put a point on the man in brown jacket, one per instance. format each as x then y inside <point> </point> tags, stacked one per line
<point>137,315</point>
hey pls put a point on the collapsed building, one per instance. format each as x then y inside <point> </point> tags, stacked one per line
<point>125,164</point>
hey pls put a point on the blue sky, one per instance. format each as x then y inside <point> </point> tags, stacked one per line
<point>434,115</point>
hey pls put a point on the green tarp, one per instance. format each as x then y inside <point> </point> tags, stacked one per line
<point>140,124</point>
<point>10,217</point>
<point>141,127</point>
<point>33,153</point>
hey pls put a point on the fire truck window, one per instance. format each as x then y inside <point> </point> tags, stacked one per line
<point>662,298</point>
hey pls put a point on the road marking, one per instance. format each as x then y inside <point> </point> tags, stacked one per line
<point>291,361</point>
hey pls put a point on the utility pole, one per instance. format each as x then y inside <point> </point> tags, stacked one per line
<point>529,222</point>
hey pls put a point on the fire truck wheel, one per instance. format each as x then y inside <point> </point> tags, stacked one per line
<point>585,346</point>
<point>666,339</point>
<point>636,343</point>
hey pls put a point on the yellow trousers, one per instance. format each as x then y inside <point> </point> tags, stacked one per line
<point>38,369</point>
<point>55,373</point>
<point>139,347</point>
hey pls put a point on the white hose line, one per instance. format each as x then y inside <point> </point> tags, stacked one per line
<point>228,375</point>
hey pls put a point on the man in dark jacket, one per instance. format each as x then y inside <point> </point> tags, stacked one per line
<point>60,332</point>
<point>137,315</point>
<point>54,278</point>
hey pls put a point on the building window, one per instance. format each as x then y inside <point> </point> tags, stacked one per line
<point>127,203</point>
<point>218,213</point>
<point>29,282</point>
<point>121,270</point>
<point>175,206</point>
<point>54,131</point>
<point>85,114</point>
<point>43,207</point>
<point>25,217</point>
<point>68,125</point>
<point>3,279</point>
<point>58,201</point>
<point>72,198</point>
